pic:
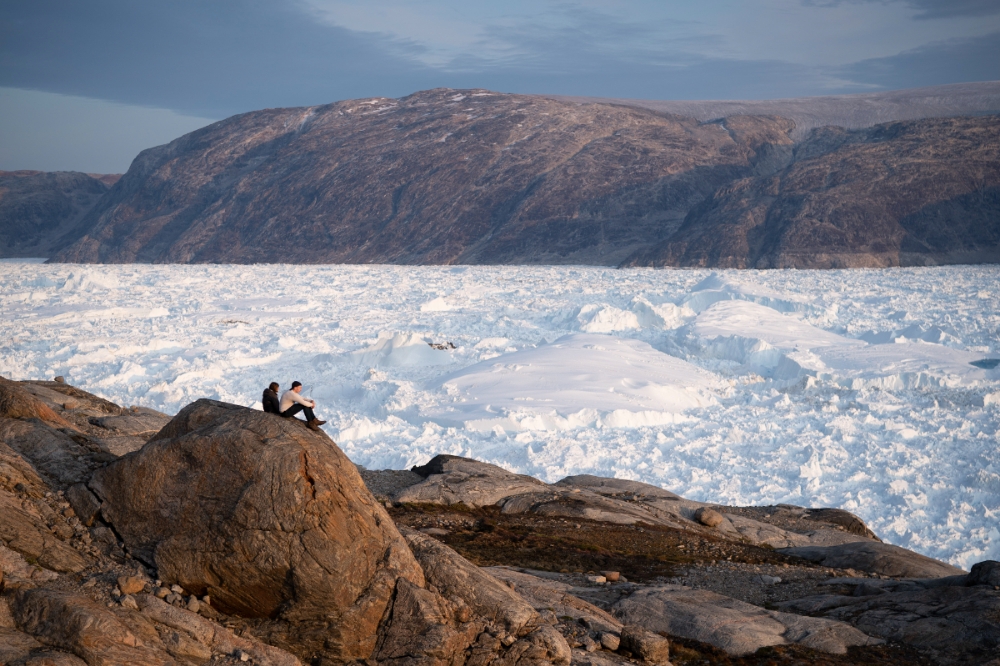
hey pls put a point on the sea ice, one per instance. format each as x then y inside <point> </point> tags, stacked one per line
<point>871,390</point>
<point>573,382</point>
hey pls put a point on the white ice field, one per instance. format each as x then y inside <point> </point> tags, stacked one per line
<point>869,390</point>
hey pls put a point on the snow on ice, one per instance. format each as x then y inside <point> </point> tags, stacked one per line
<point>877,391</point>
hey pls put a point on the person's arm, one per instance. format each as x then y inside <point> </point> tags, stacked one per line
<point>306,402</point>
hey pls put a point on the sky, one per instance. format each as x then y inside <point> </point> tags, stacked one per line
<point>86,85</point>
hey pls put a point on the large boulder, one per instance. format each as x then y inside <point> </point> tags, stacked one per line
<point>268,518</point>
<point>274,523</point>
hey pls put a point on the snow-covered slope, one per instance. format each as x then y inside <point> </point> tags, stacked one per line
<point>877,391</point>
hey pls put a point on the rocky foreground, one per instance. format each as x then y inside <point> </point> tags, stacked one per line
<point>226,535</point>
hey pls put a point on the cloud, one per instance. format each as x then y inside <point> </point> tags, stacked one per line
<point>951,8</point>
<point>214,59</point>
<point>930,9</point>
<point>952,61</point>
<point>201,58</point>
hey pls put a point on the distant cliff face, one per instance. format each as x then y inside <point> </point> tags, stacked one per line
<point>446,176</point>
<point>438,177</point>
<point>909,193</point>
<point>38,208</point>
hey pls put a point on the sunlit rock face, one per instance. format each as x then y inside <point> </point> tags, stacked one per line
<point>439,177</point>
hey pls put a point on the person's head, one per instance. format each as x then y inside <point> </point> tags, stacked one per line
<point>297,387</point>
<point>274,386</point>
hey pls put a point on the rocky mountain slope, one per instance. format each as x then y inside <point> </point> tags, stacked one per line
<point>225,535</point>
<point>857,111</point>
<point>438,177</point>
<point>910,193</point>
<point>449,176</point>
<point>38,208</point>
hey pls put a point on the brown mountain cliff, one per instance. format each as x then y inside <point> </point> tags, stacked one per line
<point>438,177</point>
<point>909,193</point>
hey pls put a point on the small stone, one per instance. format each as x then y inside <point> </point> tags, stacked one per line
<point>128,601</point>
<point>708,517</point>
<point>645,645</point>
<point>769,580</point>
<point>612,576</point>
<point>131,584</point>
<point>193,604</point>
<point>589,644</point>
<point>59,379</point>
<point>115,592</point>
<point>507,640</point>
<point>172,598</point>
<point>176,589</point>
<point>597,579</point>
<point>549,617</point>
<point>161,593</point>
<point>610,642</point>
<point>463,614</point>
<point>207,600</point>
<point>241,655</point>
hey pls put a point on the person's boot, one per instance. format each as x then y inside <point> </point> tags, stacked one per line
<point>314,424</point>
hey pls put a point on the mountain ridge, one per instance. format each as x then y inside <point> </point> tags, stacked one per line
<point>38,207</point>
<point>478,177</point>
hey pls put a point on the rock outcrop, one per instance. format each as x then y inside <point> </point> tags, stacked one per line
<point>266,517</point>
<point>455,480</point>
<point>879,558</point>
<point>235,536</point>
<point>734,626</point>
<point>950,621</point>
<point>39,209</point>
<point>273,522</point>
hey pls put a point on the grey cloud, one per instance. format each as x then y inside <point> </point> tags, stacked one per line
<point>953,61</point>
<point>227,56</point>
<point>929,9</point>
<point>949,8</point>
<point>204,58</point>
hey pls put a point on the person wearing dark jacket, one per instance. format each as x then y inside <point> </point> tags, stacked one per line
<point>270,399</point>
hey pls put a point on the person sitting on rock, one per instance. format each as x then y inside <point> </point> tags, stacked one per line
<point>270,399</point>
<point>292,403</point>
